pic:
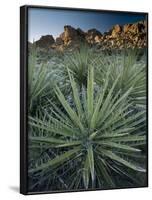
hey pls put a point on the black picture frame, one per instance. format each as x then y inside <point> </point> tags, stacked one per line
<point>24,95</point>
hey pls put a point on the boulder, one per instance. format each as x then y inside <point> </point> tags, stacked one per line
<point>70,34</point>
<point>59,41</point>
<point>45,41</point>
<point>136,28</point>
<point>93,35</point>
<point>98,38</point>
<point>80,33</point>
<point>116,30</point>
<point>126,28</point>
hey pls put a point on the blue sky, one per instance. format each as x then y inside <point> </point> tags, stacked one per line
<point>52,21</point>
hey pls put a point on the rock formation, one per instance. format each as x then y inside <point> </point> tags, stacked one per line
<point>93,36</point>
<point>45,41</point>
<point>71,35</point>
<point>116,31</point>
<point>126,36</point>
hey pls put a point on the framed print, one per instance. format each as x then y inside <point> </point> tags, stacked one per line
<point>83,99</point>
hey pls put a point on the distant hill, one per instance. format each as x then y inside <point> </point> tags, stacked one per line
<point>126,36</point>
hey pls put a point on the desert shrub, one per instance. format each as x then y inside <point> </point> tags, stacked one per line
<point>93,139</point>
<point>131,66</point>
<point>78,61</point>
<point>42,77</point>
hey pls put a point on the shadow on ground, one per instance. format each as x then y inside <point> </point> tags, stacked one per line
<point>14,188</point>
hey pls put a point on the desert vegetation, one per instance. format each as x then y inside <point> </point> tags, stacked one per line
<point>86,119</point>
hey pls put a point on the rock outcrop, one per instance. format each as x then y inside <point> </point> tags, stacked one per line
<point>71,35</point>
<point>45,41</point>
<point>126,36</point>
<point>93,36</point>
<point>116,31</point>
<point>59,41</point>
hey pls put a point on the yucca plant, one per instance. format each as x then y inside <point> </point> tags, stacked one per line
<point>41,81</point>
<point>131,66</point>
<point>78,61</point>
<point>93,142</point>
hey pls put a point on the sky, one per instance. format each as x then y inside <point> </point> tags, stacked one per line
<point>42,21</point>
